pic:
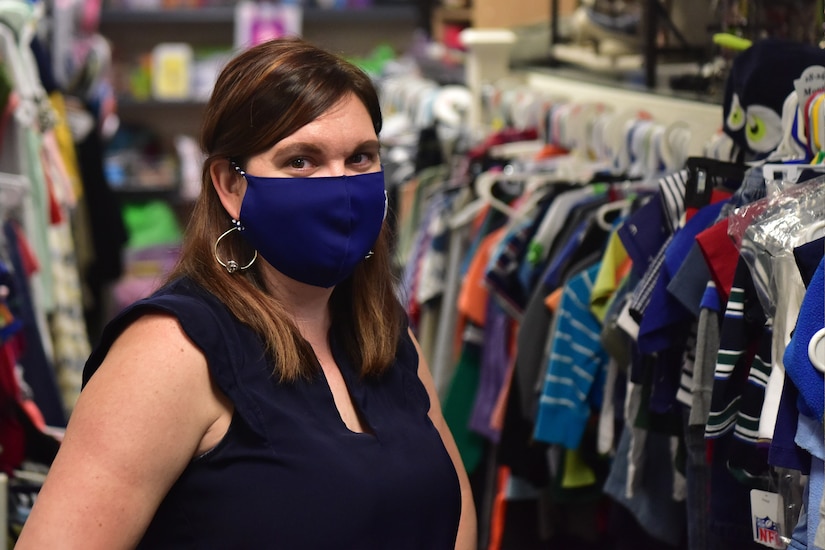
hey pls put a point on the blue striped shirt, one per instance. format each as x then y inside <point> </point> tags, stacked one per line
<point>575,372</point>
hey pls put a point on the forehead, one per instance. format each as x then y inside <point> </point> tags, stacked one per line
<point>347,116</point>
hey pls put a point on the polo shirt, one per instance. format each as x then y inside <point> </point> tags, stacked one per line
<point>656,329</point>
<point>808,379</point>
<point>575,373</point>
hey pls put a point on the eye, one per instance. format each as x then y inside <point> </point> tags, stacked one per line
<point>736,115</point>
<point>763,129</point>
<point>300,163</point>
<point>363,160</point>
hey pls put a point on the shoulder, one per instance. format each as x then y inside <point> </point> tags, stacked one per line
<point>155,379</point>
<point>408,351</point>
<point>153,350</point>
<point>179,310</point>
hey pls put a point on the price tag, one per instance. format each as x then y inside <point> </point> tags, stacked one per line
<point>809,82</point>
<point>766,514</point>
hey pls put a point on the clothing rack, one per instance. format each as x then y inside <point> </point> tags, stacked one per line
<point>45,242</point>
<point>579,123</point>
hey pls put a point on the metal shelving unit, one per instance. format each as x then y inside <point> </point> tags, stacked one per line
<point>133,33</point>
<point>225,14</point>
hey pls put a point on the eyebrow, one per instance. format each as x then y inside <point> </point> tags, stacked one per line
<point>298,148</point>
<point>369,144</point>
<point>302,147</point>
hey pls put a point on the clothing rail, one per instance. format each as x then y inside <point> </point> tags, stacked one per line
<point>702,119</point>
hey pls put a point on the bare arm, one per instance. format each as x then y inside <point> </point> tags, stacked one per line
<point>468,527</point>
<point>145,413</point>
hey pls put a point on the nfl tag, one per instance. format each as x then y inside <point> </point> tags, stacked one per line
<point>766,510</point>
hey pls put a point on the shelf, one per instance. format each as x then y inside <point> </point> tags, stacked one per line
<point>449,13</point>
<point>129,102</point>
<point>136,194</point>
<point>222,14</point>
<point>226,14</point>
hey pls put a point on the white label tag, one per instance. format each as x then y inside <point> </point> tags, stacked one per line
<point>809,82</point>
<point>628,323</point>
<point>766,514</point>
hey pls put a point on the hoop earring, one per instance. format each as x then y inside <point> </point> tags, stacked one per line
<point>232,266</point>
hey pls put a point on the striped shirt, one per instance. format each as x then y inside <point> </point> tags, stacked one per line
<point>576,370</point>
<point>743,364</point>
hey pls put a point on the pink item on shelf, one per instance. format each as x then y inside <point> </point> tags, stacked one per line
<point>144,271</point>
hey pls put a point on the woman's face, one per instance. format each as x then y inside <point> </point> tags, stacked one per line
<point>342,141</point>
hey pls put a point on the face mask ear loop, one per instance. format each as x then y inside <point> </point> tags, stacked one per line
<point>371,253</point>
<point>237,168</point>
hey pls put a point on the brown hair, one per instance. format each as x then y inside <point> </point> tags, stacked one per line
<point>263,95</point>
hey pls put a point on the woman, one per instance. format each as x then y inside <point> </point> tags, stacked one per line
<point>270,395</point>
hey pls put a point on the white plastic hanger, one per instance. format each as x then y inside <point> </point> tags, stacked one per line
<point>579,123</point>
<point>523,150</point>
<point>483,186</point>
<point>13,188</point>
<point>452,104</point>
<point>14,182</point>
<point>789,172</point>
<point>533,187</point>
<point>484,183</point>
<point>528,109</point>
<point>794,143</point>
<point>621,205</point>
<point>675,145</point>
<point>816,350</point>
<point>615,135</point>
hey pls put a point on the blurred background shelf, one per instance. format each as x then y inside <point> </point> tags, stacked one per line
<point>225,14</point>
<point>134,33</point>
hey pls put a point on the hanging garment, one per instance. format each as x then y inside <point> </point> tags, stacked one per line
<point>742,372</point>
<point>575,372</point>
<point>806,376</point>
<point>494,373</point>
<point>38,369</point>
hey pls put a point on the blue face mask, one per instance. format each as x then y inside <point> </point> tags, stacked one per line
<point>314,230</point>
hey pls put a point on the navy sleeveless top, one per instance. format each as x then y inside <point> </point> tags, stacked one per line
<point>289,474</point>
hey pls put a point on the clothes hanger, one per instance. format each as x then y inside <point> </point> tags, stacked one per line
<point>537,185</point>
<point>704,174</point>
<point>623,206</point>
<point>644,148</point>
<point>452,104</point>
<point>14,182</point>
<point>579,123</point>
<point>654,162</point>
<point>675,145</point>
<point>639,149</point>
<point>527,111</point>
<point>557,122</point>
<point>483,187</point>
<point>615,137</point>
<point>720,146</point>
<point>424,113</point>
<point>485,182</point>
<point>13,188</point>
<point>794,143</point>
<point>788,171</point>
<point>517,150</point>
<point>414,102</point>
<point>816,350</point>
<point>500,98</point>
<point>812,129</point>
